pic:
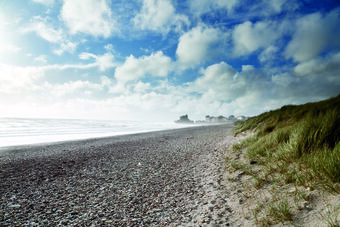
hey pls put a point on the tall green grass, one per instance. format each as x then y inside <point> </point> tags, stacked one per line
<point>303,139</point>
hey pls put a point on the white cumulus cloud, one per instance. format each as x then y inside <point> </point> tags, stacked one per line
<point>269,54</point>
<point>221,82</point>
<point>103,62</point>
<point>78,87</point>
<point>199,7</point>
<point>156,64</point>
<point>92,17</point>
<point>48,32</point>
<point>249,37</point>
<point>45,30</point>
<point>326,68</point>
<point>195,46</point>
<point>159,16</point>
<point>314,34</point>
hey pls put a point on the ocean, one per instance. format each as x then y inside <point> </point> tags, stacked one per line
<point>25,131</point>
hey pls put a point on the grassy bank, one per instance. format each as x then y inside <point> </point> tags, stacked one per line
<point>294,145</point>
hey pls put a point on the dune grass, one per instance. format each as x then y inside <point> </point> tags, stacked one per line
<point>291,147</point>
<point>300,143</point>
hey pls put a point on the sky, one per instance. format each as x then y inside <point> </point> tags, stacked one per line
<point>159,59</point>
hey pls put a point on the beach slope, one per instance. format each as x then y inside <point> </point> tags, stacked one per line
<point>160,178</point>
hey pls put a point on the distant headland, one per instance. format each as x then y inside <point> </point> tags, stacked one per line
<point>184,119</point>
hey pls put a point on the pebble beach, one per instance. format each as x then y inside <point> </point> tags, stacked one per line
<point>165,178</point>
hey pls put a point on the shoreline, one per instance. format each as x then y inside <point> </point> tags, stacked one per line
<point>169,177</point>
<point>5,150</point>
<point>93,137</point>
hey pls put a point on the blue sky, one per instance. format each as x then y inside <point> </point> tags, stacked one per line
<point>158,59</point>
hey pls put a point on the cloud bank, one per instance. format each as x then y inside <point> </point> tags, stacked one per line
<point>157,59</point>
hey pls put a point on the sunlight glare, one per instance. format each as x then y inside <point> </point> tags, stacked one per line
<point>6,47</point>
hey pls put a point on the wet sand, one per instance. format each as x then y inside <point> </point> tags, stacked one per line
<point>165,178</point>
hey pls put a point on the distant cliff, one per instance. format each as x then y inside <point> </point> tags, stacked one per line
<point>211,119</point>
<point>219,119</point>
<point>184,119</point>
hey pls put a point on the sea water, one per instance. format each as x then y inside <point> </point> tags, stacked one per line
<point>24,131</point>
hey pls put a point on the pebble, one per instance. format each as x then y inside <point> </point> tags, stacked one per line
<point>14,206</point>
<point>124,181</point>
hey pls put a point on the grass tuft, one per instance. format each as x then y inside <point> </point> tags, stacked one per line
<point>281,211</point>
<point>326,164</point>
<point>331,216</point>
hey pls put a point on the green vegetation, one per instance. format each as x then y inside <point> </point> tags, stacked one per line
<point>331,216</point>
<point>297,144</point>
<point>272,212</point>
<point>293,150</point>
<point>281,211</point>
